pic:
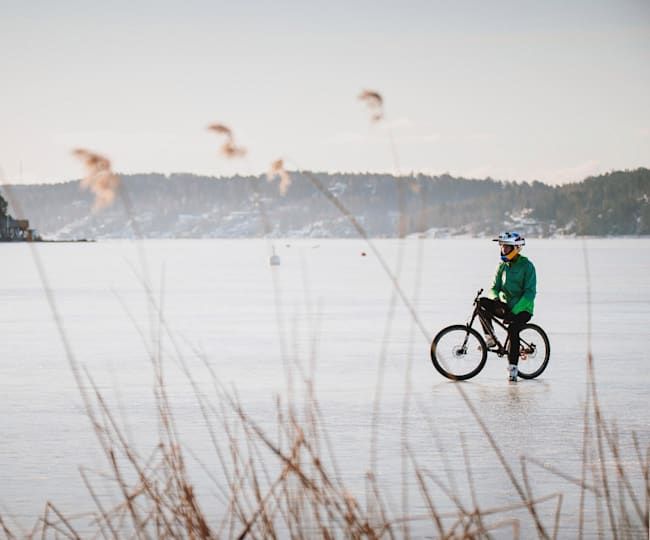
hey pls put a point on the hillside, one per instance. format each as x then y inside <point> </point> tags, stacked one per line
<point>189,206</point>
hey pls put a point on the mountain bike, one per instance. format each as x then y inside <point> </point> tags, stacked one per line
<point>459,352</point>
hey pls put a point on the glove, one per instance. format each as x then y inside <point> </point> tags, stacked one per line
<point>509,317</point>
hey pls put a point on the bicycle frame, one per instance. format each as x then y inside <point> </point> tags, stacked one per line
<point>501,348</point>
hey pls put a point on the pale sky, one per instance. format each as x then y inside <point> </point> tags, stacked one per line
<point>553,90</point>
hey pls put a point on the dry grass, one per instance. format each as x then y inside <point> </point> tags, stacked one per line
<point>283,482</point>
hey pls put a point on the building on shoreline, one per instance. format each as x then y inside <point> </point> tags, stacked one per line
<point>15,230</point>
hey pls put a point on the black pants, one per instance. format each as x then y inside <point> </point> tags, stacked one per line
<point>495,308</point>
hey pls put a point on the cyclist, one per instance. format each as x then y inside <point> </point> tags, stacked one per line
<point>512,296</point>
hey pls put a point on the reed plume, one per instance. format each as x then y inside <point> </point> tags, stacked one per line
<point>228,149</point>
<point>221,129</point>
<point>375,104</point>
<point>277,170</point>
<point>99,178</point>
<point>282,481</point>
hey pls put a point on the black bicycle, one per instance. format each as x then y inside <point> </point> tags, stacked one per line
<point>459,352</point>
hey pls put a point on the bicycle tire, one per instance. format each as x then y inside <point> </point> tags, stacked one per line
<point>450,348</point>
<point>531,363</point>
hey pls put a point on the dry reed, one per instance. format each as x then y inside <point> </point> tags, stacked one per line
<point>278,486</point>
<point>375,104</point>
<point>277,170</point>
<point>287,484</point>
<point>228,149</point>
<point>99,178</point>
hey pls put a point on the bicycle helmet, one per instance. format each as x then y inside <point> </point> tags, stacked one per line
<point>510,239</point>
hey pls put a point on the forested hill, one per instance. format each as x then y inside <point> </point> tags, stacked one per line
<point>185,205</point>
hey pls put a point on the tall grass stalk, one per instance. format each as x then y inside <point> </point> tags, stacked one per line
<point>284,482</point>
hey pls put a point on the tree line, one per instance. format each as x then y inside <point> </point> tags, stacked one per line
<point>186,205</point>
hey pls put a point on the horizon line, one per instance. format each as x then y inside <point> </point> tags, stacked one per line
<point>412,174</point>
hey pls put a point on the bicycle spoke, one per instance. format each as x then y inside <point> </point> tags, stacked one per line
<point>534,352</point>
<point>458,352</point>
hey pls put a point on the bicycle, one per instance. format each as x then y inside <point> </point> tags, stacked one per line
<point>459,352</point>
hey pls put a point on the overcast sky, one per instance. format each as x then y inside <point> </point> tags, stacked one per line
<point>516,90</point>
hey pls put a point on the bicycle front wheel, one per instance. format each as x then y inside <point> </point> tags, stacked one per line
<point>458,352</point>
<point>534,351</point>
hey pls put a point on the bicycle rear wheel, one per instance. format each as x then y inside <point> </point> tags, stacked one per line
<point>458,352</point>
<point>534,351</point>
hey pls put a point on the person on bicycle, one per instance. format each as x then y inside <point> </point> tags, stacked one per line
<point>512,296</point>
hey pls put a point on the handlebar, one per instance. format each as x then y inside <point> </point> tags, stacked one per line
<point>478,294</point>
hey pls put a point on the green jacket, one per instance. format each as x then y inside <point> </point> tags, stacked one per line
<point>515,283</point>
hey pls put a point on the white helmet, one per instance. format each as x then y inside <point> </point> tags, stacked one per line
<point>510,239</point>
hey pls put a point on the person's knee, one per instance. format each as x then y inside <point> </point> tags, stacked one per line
<point>523,318</point>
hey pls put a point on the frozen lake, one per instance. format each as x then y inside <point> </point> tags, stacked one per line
<point>325,312</point>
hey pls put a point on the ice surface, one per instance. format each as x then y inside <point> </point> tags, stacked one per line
<point>326,313</point>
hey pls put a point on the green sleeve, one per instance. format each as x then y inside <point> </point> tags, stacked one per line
<point>496,283</point>
<point>527,300</point>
